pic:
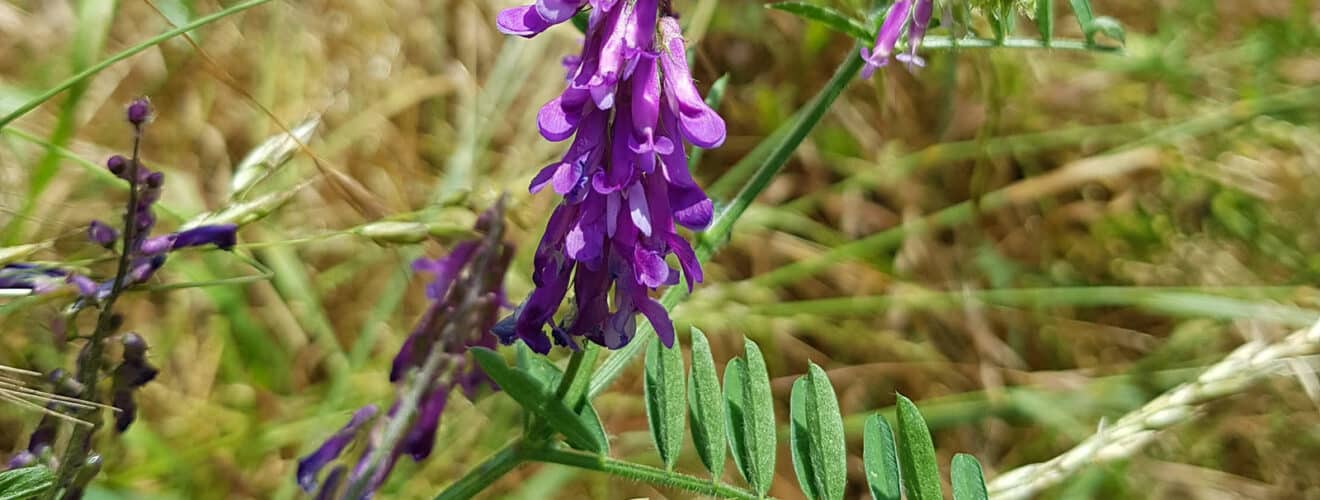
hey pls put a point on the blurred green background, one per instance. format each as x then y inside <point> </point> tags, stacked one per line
<point>1047,238</point>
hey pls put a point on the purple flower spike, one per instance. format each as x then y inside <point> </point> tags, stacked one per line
<point>102,234</point>
<point>631,106</point>
<point>220,235</point>
<point>310,466</point>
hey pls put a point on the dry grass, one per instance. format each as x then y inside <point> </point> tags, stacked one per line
<point>1169,166</point>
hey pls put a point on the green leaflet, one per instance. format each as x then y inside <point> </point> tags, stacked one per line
<point>1045,20</point>
<point>831,18</point>
<point>582,431</point>
<point>921,473</point>
<point>751,418</point>
<point>816,433</point>
<point>968,483</point>
<point>1085,18</point>
<point>27,482</point>
<point>705,408</point>
<point>1110,27</point>
<point>880,459</point>
<point>663,387</point>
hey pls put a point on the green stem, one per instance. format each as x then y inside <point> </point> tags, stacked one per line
<point>130,52</point>
<point>722,227</point>
<point>483,475</point>
<point>636,472</point>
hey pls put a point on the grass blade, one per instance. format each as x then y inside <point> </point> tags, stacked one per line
<point>831,18</point>
<point>127,53</point>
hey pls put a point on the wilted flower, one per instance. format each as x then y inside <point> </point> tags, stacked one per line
<point>132,373</point>
<point>466,294</point>
<point>630,106</point>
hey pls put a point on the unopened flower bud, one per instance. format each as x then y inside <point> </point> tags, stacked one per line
<point>138,111</point>
<point>116,164</point>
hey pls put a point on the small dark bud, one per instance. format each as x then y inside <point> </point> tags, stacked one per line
<point>116,164</point>
<point>138,111</point>
<point>135,347</point>
<point>155,179</point>
<point>102,234</point>
<point>116,321</point>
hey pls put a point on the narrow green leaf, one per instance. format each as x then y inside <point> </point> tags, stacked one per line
<point>705,411</point>
<point>1110,27</point>
<point>816,433</point>
<point>663,387</point>
<point>125,54</point>
<point>831,18</point>
<point>1045,20</point>
<point>539,399</point>
<point>1085,18</point>
<point>968,482</point>
<point>880,459</point>
<point>921,473</point>
<point>751,421</point>
<point>27,482</point>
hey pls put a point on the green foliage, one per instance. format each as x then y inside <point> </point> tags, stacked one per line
<point>706,406</point>
<point>581,430</point>
<point>27,482</point>
<point>751,417</point>
<point>816,436</point>
<point>916,451</point>
<point>968,481</point>
<point>663,389</point>
<point>831,18</point>
<point>880,459</point>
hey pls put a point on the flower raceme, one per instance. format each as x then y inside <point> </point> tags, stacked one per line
<point>629,106</point>
<point>914,16</point>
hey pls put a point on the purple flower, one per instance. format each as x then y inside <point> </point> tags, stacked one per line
<point>630,106</point>
<point>310,466</point>
<point>222,236</point>
<point>902,15</point>
<point>102,234</point>
<point>131,374</point>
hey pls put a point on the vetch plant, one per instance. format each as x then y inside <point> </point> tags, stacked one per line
<point>138,258</point>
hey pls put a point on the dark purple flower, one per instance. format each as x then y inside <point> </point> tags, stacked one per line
<point>310,466</point>
<point>102,234</point>
<point>21,459</point>
<point>132,373</point>
<point>221,235</point>
<point>330,489</point>
<point>421,437</point>
<point>630,106</point>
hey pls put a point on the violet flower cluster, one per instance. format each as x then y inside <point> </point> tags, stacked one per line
<point>630,106</point>
<point>466,295</point>
<point>912,16</point>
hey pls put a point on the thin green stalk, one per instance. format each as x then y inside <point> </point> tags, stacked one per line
<point>483,475</point>
<point>722,227</point>
<point>127,53</point>
<point>636,472</point>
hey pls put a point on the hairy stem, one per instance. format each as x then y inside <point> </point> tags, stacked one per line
<point>636,472</point>
<point>483,475</point>
<point>89,361</point>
